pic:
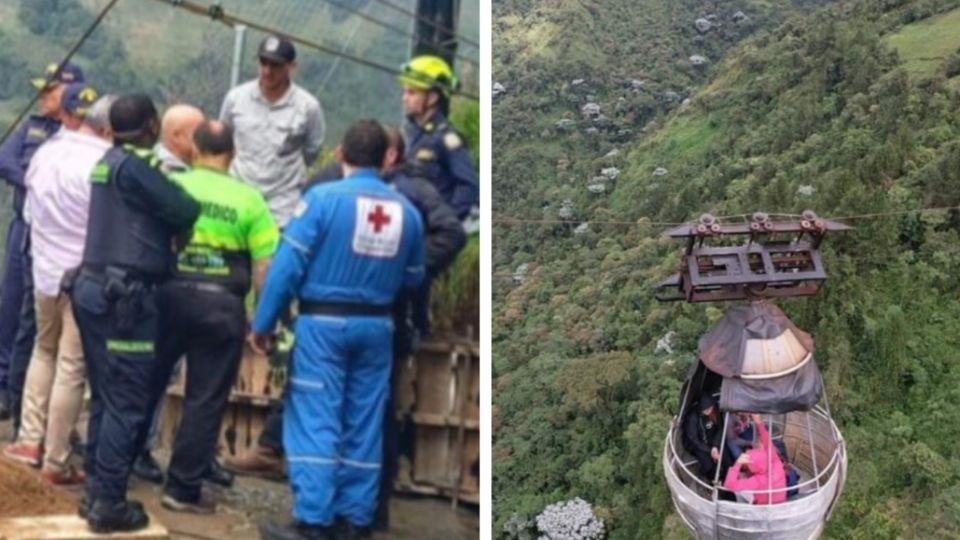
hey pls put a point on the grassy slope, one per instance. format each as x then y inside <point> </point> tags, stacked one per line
<point>573,344</point>
<point>925,45</point>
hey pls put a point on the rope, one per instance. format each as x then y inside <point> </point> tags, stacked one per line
<point>389,26</point>
<point>73,50</point>
<point>433,24</point>
<point>233,20</point>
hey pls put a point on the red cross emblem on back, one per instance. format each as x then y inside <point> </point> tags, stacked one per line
<point>378,218</point>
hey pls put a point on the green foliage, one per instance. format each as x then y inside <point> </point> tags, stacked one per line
<point>796,110</point>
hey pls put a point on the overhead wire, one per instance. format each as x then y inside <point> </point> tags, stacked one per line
<point>433,24</point>
<point>367,17</point>
<point>642,221</point>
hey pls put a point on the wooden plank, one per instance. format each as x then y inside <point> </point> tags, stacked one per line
<point>470,465</point>
<point>442,420</point>
<point>71,527</point>
<point>435,384</point>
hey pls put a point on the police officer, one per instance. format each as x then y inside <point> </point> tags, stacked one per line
<point>202,311</point>
<point>351,248</point>
<point>433,146</point>
<point>136,213</point>
<point>17,287</point>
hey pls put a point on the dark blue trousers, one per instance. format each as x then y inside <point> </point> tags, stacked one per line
<point>23,344</point>
<point>119,340</point>
<point>11,294</point>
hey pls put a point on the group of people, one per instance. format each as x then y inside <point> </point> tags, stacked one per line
<point>136,241</point>
<point>752,467</point>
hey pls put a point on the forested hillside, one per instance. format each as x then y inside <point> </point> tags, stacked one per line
<point>609,128</point>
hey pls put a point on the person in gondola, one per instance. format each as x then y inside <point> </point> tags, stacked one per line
<point>702,437</point>
<point>764,471</point>
<point>739,435</point>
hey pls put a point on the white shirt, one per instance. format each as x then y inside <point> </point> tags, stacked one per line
<point>275,142</point>
<point>58,202</point>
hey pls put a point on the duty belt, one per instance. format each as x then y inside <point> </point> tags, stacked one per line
<point>343,309</point>
<point>205,286</point>
<point>99,274</point>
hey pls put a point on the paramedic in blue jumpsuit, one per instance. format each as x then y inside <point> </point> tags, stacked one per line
<point>136,215</point>
<point>351,248</point>
<point>16,293</point>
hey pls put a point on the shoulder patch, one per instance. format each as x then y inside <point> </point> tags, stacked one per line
<point>452,141</point>
<point>37,133</point>
<point>100,173</point>
<point>425,154</point>
<point>301,208</point>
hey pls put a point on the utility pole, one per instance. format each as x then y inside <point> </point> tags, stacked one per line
<point>239,39</point>
<point>436,28</point>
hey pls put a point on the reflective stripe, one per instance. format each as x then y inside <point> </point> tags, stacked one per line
<point>312,459</point>
<point>360,464</point>
<point>297,245</point>
<point>324,318</point>
<point>328,461</point>
<point>117,345</point>
<point>308,384</point>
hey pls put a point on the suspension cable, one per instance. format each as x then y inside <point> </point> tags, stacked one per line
<point>365,16</point>
<point>426,20</point>
<point>219,14</point>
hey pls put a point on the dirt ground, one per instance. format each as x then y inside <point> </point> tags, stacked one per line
<point>23,493</point>
<point>241,508</point>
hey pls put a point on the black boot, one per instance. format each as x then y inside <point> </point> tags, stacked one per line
<point>349,531</point>
<point>4,405</point>
<point>105,517</point>
<point>83,507</point>
<point>216,474</point>
<point>381,519</point>
<point>146,468</point>
<point>270,530</point>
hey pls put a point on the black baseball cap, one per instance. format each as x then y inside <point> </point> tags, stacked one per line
<point>277,49</point>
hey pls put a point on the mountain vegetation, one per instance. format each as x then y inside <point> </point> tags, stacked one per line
<point>849,108</point>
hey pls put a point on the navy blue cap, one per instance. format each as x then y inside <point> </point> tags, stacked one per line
<point>78,98</point>
<point>71,73</point>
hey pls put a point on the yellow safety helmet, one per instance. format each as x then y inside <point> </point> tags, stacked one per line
<point>428,72</point>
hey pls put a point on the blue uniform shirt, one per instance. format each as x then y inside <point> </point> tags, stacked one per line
<point>353,241</point>
<point>16,153</point>
<point>438,153</point>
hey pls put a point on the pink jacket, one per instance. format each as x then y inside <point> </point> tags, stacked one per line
<point>759,477</point>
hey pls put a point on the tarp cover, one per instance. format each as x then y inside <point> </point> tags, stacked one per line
<point>755,340</point>
<point>796,391</point>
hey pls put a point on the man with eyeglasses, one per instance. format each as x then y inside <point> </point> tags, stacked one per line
<point>278,129</point>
